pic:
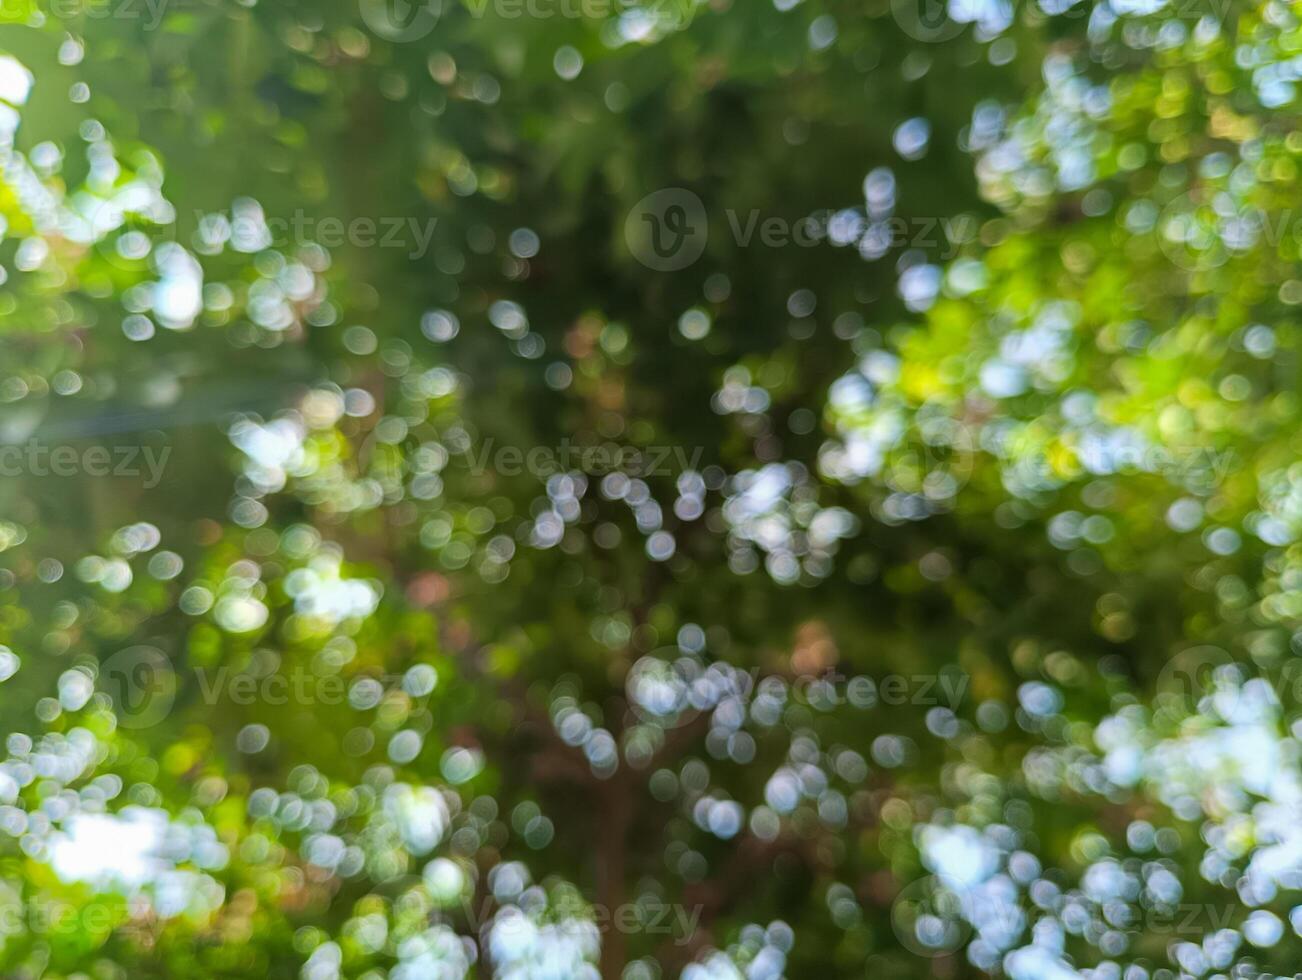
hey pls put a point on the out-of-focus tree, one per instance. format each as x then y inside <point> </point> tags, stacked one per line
<point>688,490</point>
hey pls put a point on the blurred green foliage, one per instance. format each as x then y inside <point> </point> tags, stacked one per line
<point>939,617</point>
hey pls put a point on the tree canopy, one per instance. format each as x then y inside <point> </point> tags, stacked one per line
<point>601,489</point>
